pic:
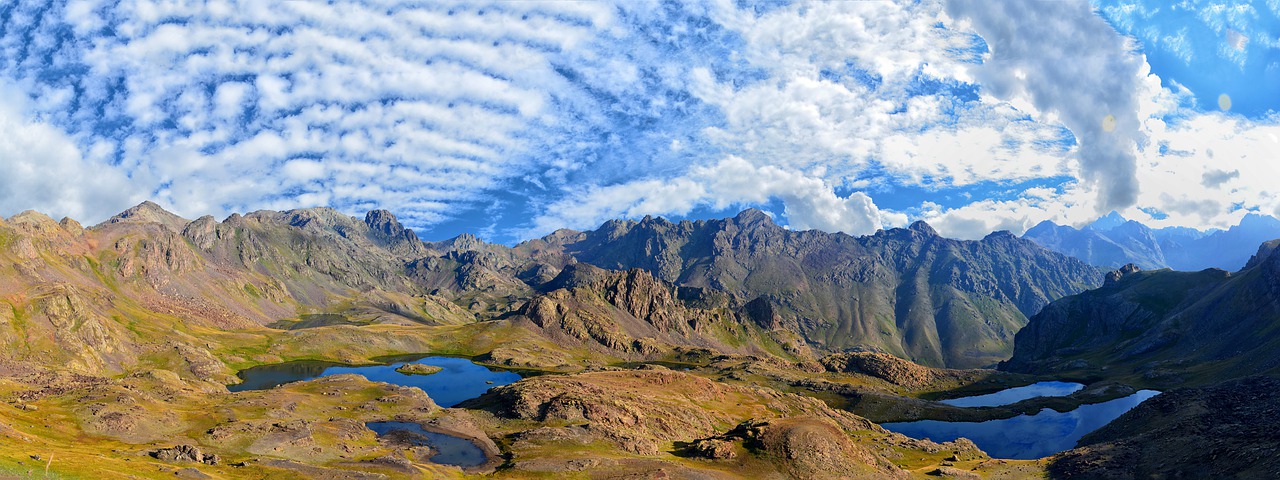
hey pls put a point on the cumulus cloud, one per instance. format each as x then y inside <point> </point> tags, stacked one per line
<point>1215,178</point>
<point>1238,159</point>
<point>1068,64</point>
<point>809,201</point>
<point>1070,205</point>
<point>44,170</point>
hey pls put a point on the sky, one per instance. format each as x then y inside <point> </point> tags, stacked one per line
<point>511,119</point>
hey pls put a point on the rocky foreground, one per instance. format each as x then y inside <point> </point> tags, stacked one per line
<point>1227,429</point>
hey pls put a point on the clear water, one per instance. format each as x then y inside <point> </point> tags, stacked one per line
<point>1026,436</point>
<point>460,379</point>
<point>450,450</point>
<point>1017,394</point>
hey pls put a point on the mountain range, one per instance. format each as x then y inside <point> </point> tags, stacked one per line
<point>908,292</point>
<point>131,329</point>
<point>1113,241</point>
<point>904,291</point>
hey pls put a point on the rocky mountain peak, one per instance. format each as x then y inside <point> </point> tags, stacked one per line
<point>650,220</point>
<point>1115,275</point>
<point>1108,221</point>
<point>463,243</point>
<point>752,217</point>
<point>31,217</point>
<point>383,221</point>
<point>384,226</point>
<point>37,225</point>
<point>1258,220</point>
<point>1000,235</point>
<point>922,227</point>
<point>150,212</point>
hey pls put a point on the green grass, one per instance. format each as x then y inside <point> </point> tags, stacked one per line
<point>252,291</point>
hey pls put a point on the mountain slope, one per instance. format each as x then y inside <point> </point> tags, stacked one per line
<point>1225,430</point>
<point>1162,327</point>
<point>908,292</point>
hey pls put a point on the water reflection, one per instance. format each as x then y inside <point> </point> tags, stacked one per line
<point>1017,394</point>
<point>1026,436</point>
<point>460,379</point>
<point>450,450</point>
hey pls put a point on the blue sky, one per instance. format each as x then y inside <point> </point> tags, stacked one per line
<point>512,119</point>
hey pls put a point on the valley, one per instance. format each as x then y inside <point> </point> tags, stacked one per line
<point>729,348</point>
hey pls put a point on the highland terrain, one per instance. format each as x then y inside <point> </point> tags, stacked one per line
<point>728,348</point>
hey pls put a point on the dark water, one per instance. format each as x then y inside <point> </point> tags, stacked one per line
<point>450,450</point>
<point>1014,395</point>
<point>460,380</point>
<point>1026,436</point>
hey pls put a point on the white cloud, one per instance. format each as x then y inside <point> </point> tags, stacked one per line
<point>441,97</point>
<point>45,171</point>
<point>1073,206</point>
<point>595,110</point>
<point>809,201</point>
<point>1073,67</point>
<point>1212,162</point>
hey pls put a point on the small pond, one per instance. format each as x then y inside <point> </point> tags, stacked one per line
<point>1026,436</point>
<point>1010,396</point>
<point>460,380</point>
<point>450,450</point>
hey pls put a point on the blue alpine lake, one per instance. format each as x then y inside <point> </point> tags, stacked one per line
<point>450,450</point>
<point>1026,436</point>
<point>460,380</point>
<point>1017,394</point>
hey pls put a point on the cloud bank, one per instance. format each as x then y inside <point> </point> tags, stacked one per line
<point>1071,66</point>
<point>516,118</point>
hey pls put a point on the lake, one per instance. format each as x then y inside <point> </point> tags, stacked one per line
<point>460,380</point>
<point>1026,436</point>
<point>450,450</point>
<point>1010,396</point>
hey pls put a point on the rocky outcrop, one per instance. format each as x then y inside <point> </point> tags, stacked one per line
<point>1115,275</point>
<point>642,411</point>
<point>883,366</point>
<point>185,453</point>
<point>636,314</point>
